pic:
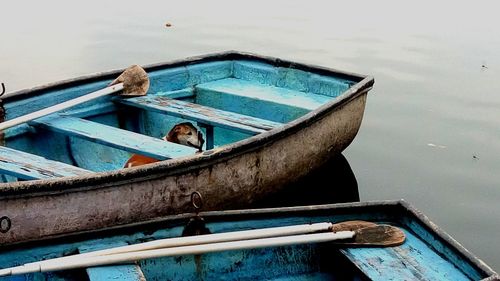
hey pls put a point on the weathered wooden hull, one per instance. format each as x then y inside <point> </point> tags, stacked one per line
<point>231,176</point>
<point>427,253</point>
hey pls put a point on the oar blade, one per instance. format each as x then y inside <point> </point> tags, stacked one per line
<point>375,236</point>
<point>135,81</point>
<point>351,225</point>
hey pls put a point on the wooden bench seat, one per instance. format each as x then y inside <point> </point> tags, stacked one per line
<point>202,114</point>
<point>33,167</point>
<point>256,91</point>
<point>113,137</point>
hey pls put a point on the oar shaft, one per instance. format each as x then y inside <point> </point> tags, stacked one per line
<point>204,239</point>
<point>186,250</point>
<point>61,106</point>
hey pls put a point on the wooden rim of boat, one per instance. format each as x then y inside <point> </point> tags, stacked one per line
<point>179,165</point>
<point>400,208</point>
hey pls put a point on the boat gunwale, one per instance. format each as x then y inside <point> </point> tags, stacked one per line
<point>228,55</point>
<point>405,208</point>
<point>182,164</point>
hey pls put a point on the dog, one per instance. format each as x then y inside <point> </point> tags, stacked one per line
<point>183,133</point>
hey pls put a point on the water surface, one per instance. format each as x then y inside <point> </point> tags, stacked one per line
<point>431,130</point>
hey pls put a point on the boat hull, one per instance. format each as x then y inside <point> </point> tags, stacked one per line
<point>232,176</point>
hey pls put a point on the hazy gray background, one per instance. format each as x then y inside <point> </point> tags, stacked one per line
<point>431,132</point>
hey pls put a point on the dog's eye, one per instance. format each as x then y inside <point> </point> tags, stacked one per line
<point>190,134</point>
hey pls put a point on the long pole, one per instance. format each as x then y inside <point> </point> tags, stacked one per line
<point>61,106</point>
<point>201,239</point>
<point>177,251</point>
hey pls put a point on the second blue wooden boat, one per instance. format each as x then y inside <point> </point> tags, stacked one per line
<point>427,254</point>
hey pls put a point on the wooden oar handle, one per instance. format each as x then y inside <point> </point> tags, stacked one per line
<point>133,81</point>
<point>61,106</point>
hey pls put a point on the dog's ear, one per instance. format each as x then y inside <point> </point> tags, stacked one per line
<point>172,134</point>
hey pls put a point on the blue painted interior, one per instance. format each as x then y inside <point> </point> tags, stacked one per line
<point>439,247</point>
<point>257,100</point>
<point>290,78</point>
<point>124,272</point>
<point>416,259</point>
<point>244,88</point>
<point>113,137</point>
<point>32,167</point>
<point>202,114</point>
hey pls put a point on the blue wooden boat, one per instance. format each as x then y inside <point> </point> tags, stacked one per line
<point>267,122</point>
<point>427,253</point>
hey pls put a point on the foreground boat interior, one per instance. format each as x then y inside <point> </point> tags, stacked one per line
<point>427,253</point>
<point>230,100</point>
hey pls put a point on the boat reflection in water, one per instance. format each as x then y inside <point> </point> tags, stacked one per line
<point>333,182</point>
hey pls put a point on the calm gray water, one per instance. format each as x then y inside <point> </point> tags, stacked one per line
<point>431,130</point>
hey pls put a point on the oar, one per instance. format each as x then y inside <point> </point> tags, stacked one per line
<point>219,237</point>
<point>223,237</point>
<point>133,81</point>
<point>379,235</point>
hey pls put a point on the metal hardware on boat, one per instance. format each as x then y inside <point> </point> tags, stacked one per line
<point>196,196</point>
<point>196,225</point>
<point>5,224</point>
<point>2,110</point>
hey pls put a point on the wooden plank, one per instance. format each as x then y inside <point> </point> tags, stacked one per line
<point>125,272</point>
<point>181,77</point>
<point>290,78</point>
<point>202,114</point>
<point>179,94</point>
<point>259,91</point>
<point>414,260</point>
<point>441,247</point>
<point>32,167</point>
<point>256,71</point>
<point>114,137</point>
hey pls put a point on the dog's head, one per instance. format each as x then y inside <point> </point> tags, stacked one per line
<point>186,134</point>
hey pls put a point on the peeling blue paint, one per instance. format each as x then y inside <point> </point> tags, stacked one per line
<point>414,260</point>
<point>293,79</point>
<point>256,71</point>
<point>31,167</point>
<point>113,137</point>
<point>210,71</point>
<point>202,114</point>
